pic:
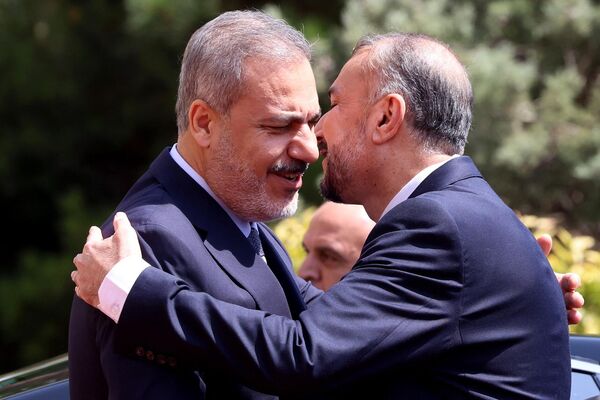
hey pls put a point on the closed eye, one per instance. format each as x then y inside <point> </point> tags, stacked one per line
<point>314,121</point>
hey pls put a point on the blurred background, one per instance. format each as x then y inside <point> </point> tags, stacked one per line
<point>87,95</point>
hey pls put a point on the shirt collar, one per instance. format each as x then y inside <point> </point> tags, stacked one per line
<point>410,187</point>
<point>242,224</point>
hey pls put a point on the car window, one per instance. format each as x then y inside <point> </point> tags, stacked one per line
<point>583,386</point>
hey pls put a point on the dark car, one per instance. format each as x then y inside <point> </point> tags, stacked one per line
<point>50,379</point>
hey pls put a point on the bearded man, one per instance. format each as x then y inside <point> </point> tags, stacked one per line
<point>246,108</point>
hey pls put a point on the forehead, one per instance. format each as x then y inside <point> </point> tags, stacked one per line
<point>353,76</point>
<point>328,223</point>
<point>276,85</point>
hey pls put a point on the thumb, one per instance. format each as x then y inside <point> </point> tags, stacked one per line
<point>126,236</point>
<point>94,235</point>
<point>121,221</point>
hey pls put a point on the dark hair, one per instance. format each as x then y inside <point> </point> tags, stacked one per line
<point>436,89</point>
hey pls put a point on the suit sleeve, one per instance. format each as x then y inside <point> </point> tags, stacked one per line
<point>398,305</point>
<point>308,292</point>
<point>97,371</point>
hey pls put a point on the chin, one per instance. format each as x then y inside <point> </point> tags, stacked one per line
<point>270,209</point>
<point>289,208</point>
<point>329,192</point>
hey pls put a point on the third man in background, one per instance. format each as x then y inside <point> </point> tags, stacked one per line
<point>333,240</point>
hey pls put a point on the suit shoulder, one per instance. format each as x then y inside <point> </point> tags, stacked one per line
<point>411,227</point>
<point>425,210</point>
<point>150,205</point>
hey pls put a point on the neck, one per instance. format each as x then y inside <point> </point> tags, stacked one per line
<point>186,150</point>
<point>392,180</point>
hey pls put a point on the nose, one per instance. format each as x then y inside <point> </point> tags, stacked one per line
<point>304,145</point>
<point>319,127</point>
<point>309,271</point>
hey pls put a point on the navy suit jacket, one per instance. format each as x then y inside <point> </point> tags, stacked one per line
<point>451,299</point>
<point>183,232</point>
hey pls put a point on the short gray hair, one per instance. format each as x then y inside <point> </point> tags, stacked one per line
<point>438,95</point>
<point>212,68</point>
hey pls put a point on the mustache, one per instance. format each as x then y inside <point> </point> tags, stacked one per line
<point>291,167</point>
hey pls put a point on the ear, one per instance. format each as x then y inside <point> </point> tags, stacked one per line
<point>200,119</point>
<point>390,112</point>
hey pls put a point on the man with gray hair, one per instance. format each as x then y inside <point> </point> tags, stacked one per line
<point>452,298</point>
<point>246,107</point>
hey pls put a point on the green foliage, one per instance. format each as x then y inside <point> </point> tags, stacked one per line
<point>34,320</point>
<point>291,231</point>
<point>87,100</point>
<point>534,68</point>
<point>88,91</point>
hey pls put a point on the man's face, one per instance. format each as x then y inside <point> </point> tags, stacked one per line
<point>333,242</point>
<point>341,133</point>
<point>267,140</point>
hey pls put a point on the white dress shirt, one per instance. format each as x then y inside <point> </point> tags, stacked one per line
<point>410,187</point>
<point>118,282</point>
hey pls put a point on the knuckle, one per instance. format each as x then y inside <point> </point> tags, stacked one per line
<point>88,247</point>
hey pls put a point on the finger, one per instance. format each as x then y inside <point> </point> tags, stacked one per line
<point>574,317</point>
<point>570,282</point>
<point>573,300</point>
<point>545,242</point>
<point>125,235</point>
<point>74,277</point>
<point>94,235</point>
<point>121,221</point>
<point>78,260</point>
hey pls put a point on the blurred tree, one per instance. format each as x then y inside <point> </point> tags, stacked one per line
<point>87,93</point>
<point>534,67</point>
<point>87,96</point>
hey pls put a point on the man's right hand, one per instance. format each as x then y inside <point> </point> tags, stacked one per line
<point>100,255</point>
<point>569,283</point>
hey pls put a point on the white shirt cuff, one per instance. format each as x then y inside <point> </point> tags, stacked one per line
<point>117,284</point>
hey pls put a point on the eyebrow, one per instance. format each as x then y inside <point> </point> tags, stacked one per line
<point>330,251</point>
<point>288,117</point>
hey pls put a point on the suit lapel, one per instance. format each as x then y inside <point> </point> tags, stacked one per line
<point>281,267</point>
<point>453,171</point>
<point>221,236</point>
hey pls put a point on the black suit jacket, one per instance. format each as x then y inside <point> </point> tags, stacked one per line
<point>185,233</point>
<point>451,299</point>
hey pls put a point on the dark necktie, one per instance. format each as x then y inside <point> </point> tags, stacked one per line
<point>254,239</point>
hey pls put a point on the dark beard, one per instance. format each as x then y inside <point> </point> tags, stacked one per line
<point>339,169</point>
<point>329,190</point>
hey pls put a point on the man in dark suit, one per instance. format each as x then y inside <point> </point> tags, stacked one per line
<point>451,297</point>
<point>245,139</point>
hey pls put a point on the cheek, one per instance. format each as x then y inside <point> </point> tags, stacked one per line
<point>261,158</point>
<point>337,129</point>
<point>334,271</point>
